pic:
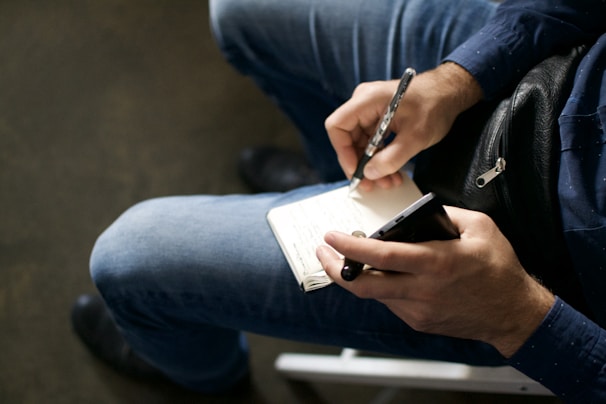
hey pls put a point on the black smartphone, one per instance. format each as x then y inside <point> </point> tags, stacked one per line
<point>424,220</point>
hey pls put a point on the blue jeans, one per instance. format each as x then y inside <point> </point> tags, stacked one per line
<point>184,276</point>
<point>309,55</point>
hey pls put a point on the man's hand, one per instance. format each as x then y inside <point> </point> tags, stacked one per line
<point>473,287</point>
<point>428,109</point>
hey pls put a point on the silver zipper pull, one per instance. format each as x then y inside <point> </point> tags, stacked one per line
<point>491,174</point>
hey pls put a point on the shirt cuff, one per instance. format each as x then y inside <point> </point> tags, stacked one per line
<point>565,354</point>
<point>492,56</point>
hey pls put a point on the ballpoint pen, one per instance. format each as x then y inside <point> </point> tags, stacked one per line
<point>382,131</point>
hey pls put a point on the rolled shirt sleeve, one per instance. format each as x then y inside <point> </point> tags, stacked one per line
<point>521,34</point>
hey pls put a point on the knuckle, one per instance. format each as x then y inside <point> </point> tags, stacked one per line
<point>385,259</point>
<point>392,166</point>
<point>480,219</point>
<point>330,122</point>
<point>363,88</point>
<point>368,89</point>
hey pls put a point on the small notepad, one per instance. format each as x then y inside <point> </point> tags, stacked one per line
<point>300,226</point>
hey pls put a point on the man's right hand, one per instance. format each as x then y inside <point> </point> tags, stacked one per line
<point>427,111</point>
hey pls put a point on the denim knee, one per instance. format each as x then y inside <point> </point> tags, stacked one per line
<point>120,255</point>
<point>228,20</point>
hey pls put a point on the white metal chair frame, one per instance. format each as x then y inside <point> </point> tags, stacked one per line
<point>351,367</point>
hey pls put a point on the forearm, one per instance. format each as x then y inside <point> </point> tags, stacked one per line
<point>458,87</point>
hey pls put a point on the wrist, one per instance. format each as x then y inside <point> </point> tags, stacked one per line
<point>525,316</point>
<point>458,86</point>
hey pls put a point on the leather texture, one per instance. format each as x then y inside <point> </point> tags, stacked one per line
<point>522,128</point>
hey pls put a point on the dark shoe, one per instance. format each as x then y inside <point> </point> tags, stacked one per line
<point>269,169</point>
<point>94,325</point>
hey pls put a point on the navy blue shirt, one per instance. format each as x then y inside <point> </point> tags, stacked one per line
<point>567,353</point>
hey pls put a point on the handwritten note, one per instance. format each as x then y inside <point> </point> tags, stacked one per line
<point>300,226</point>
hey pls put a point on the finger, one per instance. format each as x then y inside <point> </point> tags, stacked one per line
<point>350,126</point>
<point>385,255</point>
<point>354,113</point>
<point>347,148</point>
<point>390,181</point>
<point>352,121</point>
<point>388,161</point>
<point>346,139</point>
<point>370,284</point>
<point>387,182</point>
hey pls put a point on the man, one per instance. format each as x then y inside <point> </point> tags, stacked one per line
<point>183,276</point>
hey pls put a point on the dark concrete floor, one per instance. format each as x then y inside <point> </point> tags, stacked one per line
<point>103,104</point>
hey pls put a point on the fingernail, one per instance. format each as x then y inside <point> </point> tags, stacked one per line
<point>320,251</point>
